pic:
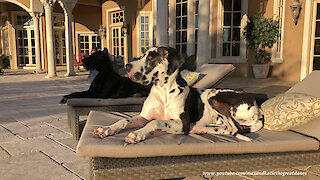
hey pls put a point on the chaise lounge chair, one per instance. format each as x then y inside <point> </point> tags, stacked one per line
<point>176,156</point>
<point>211,76</point>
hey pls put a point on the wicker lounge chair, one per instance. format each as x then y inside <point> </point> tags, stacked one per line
<point>176,156</point>
<point>215,73</point>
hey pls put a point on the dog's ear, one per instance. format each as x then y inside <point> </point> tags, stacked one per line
<point>175,59</point>
<point>164,53</point>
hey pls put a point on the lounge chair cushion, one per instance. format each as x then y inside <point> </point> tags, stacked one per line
<point>163,144</point>
<point>290,110</point>
<point>309,85</point>
<point>213,73</point>
<point>191,77</point>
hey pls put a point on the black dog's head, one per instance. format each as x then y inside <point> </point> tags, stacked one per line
<point>157,64</point>
<point>99,61</point>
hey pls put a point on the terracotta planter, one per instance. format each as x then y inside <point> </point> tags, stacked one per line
<point>260,70</point>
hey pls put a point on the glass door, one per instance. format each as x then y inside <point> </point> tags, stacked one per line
<point>118,43</point>
<point>315,55</point>
<point>60,47</point>
<point>26,47</point>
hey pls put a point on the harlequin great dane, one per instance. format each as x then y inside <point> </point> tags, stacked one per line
<point>172,106</point>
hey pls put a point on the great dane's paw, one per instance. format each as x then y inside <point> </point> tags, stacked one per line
<point>134,137</point>
<point>244,138</point>
<point>103,132</point>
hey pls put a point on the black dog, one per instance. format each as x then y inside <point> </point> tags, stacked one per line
<point>107,83</point>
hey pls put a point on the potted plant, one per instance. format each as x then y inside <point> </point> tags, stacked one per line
<point>261,33</point>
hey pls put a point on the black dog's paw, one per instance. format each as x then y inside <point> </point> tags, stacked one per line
<point>64,100</point>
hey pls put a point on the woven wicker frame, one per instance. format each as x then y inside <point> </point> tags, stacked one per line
<point>184,166</point>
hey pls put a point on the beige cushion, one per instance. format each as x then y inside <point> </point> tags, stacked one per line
<point>162,144</point>
<point>213,72</point>
<point>310,85</point>
<point>290,110</point>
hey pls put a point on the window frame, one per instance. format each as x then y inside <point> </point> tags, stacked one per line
<point>86,33</point>
<point>138,20</point>
<point>274,53</point>
<point>190,50</point>
<point>219,44</point>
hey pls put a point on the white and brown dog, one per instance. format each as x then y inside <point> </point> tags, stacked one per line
<point>174,107</point>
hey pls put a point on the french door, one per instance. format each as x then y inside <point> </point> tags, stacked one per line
<point>118,43</point>
<point>26,47</point>
<point>315,46</point>
<point>60,47</point>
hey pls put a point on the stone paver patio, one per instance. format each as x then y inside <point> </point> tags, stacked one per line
<point>35,142</point>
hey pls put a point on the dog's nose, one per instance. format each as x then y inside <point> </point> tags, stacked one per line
<point>128,67</point>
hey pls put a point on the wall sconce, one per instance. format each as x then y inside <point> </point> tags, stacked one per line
<point>124,30</point>
<point>102,32</point>
<point>295,11</point>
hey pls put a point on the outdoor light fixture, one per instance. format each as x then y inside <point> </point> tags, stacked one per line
<point>295,11</point>
<point>124,30</point>
<point>102,31</point>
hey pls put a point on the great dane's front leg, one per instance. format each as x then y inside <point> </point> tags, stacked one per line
<point>137,121</point>
<point>169,126</point>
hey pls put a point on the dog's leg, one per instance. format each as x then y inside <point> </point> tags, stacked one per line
<point>218,130</point>
<point>170,126</point>
<point>105,131</point>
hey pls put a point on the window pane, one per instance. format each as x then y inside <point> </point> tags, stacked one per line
<point>237,5</point>
<point>178,23</point>
<point>184,23</point>
<point>236,19</point>
<point>142,19</point>
<point>196,35</point>
<point>236,34</point>
<point>178,47</point>
<point>236,49</point>
<point>94,38</point>
<point>226,49</point>
<point>142,42</point>
<point>81,38</point>
<point>317,47</point>
<point>316,63</point>
<point>184,36</point>
<point>147,42</point>
<point>142,34</point>
<point>184,9</point>
<point>178,10</point>
<point>146,19</point>
<point>86,38</point>
<point>318,29</point>
<point>178,39</point>
<point>142,27</point>
<point>318,11</point>
<point>227,19</point>
<point>146,34</point>
<point>196,22</point>
<point>226,34</point>
<point>227,5</point>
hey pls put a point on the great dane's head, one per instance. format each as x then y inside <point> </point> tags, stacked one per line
<point>156,65</point>
<point>99,61</point>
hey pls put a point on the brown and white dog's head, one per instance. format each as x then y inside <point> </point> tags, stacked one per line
<point>156,65</point>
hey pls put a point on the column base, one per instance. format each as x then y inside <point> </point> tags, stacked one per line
<point>51,76</point>
<point>70,74</point>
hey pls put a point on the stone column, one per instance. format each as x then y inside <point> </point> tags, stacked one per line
<point>36,16</point>
<point>162,34</point>
<point>49,35</point>
<point>203,33</point>
<point>67,8</point>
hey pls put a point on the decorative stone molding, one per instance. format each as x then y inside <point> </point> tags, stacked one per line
<point>48,3</point>
<point>36,15</point>
<point>67,6</point>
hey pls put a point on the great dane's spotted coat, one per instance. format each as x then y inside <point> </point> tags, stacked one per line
<point>172,106</point>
